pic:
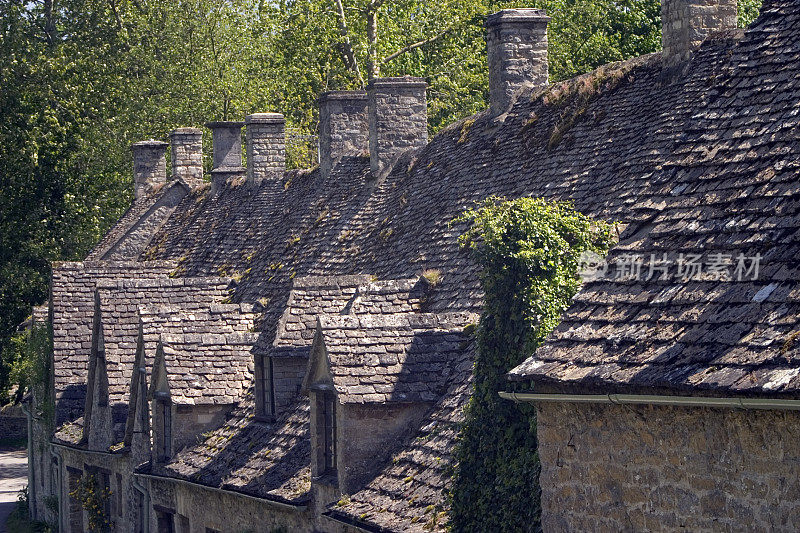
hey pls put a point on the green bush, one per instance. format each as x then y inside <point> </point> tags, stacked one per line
<point>19,521</point>
<point>30,366</point>
<point>529,252</point>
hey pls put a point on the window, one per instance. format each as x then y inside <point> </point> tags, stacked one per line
<point>267,396</point>
<point>165,522</point>
<point>166,418</point>
<point>143,421</point>
<point>326,404</point>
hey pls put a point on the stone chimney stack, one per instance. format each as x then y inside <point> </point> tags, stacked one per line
<point>266,146</point>
<point>517,52</point>
<point>398,119</point>
<point>149,166</point>
<point>685,24</point>
<point>343,127</point>
<point>227,159</point>
<point>187,155</point>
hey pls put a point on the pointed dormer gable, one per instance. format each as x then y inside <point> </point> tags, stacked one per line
<point>138,418</point>
<point>318,373</point>
<point>97,381</point>
<point>162,409</point>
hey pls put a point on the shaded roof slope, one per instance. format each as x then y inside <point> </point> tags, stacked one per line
<point>131,234</point>
<point>266,460</point>
<point>734,196</point>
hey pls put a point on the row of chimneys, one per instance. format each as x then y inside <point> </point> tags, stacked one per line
<point>391,116</point>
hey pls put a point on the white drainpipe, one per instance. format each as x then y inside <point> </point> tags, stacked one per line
<point>645,399</point>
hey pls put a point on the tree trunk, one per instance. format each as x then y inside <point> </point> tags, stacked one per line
<point>374,69</point>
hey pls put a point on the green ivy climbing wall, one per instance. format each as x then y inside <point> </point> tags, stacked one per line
<point>529,251</point>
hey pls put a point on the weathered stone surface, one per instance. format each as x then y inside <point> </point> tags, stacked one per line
<point>266,147</point>
<point>622,468</point>
<point>343,127</point>
<point>517,53</point>
<point>187,155</point>
<point>686,23</point>
<point>398,119</point>
<point>149,166</point>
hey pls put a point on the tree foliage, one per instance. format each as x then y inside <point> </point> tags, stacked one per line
<point>528,250</point>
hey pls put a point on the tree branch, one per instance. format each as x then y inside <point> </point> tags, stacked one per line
<point>347,47</point>
<point>417,45</point>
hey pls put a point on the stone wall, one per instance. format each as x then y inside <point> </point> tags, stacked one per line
<point>638,468</point>
<point>13,427</point>
<point>686,23</point>
<point>366,435</point>
<point>202,508</point>
<point>189,421</point>
<point>124,502</point>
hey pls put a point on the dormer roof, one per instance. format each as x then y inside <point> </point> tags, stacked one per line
<point>395,358</point>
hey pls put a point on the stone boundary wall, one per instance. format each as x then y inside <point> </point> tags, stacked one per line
<point>13,427</point>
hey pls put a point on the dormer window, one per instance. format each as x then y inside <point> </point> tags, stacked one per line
<point>266,392</point>
<point>164,406</point>
<point>326,427</point>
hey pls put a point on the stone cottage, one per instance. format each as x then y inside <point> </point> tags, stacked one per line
<point>335,303</point>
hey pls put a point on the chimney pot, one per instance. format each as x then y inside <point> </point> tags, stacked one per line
<point>685,24</point>
<point>266,146</point>
<point>149,166</point>
<point>187,155</point>
<point>343,127</point>
<point>517,53</point>
<point>398,119</point>
<point>227,160</point>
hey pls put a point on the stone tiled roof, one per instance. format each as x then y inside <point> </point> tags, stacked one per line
<point>212,368</point>
<point>69,433</point>
<point>357,295</point>
<point>266,460</point>
<point>72,294</point>
<point>406,357</point>
<point>119,302</point>
<point>729,190</point>
<point>131,234</point>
